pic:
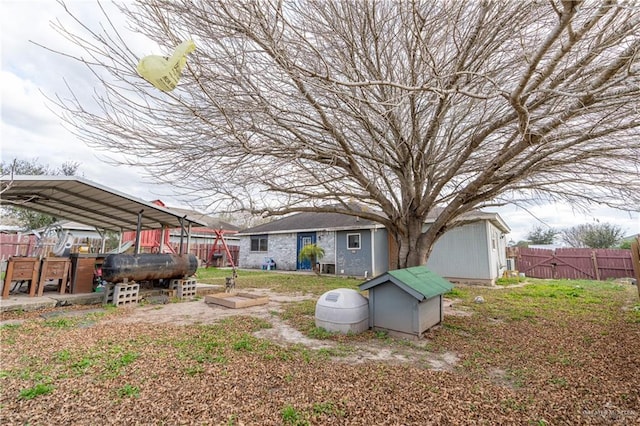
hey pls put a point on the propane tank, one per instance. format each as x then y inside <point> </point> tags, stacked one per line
<point>146,266</point>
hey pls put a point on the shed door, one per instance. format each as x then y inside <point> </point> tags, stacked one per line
<point>304,239</point>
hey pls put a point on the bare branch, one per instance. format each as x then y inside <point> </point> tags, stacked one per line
<point>406,107</point>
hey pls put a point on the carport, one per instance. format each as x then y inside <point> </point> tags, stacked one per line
<point>80,200</point>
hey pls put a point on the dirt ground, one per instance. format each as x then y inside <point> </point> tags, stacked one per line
<point>567,361</point>
<point>200,312</point>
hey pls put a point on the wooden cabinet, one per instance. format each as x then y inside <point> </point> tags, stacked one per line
<point>54,268</point>
<point>83,266</point>
<point>21,269</point>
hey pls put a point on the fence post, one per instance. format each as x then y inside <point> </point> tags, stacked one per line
<point>635,260</point>
<point>594,259</point>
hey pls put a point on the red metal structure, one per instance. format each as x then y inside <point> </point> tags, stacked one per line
<point>151,239</point>
<point>217,253</point>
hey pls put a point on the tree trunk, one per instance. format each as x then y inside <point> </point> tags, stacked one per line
<point>314,265</point>
<point>412,246</point>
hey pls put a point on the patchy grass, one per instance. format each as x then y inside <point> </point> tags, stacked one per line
<point>291,416</point>
<point>128,391</point>
<point>278,282</point>
<point>457,293</point>
<point>544,332</point>
<point>509,281</point>
<point>35,391</point>
<point>538,298</point>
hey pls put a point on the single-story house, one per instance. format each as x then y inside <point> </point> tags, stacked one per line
<point>474,252</point>
<point>352,246</point>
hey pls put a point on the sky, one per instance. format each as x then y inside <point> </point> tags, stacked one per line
<point>30,128</point>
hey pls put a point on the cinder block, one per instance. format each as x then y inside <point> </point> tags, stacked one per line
<point>184,288</point>
<point>109,288</point>
<point>125,294</point>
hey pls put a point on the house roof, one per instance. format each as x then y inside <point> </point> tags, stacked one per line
<point>473,216</point>
<point>69,225</point>
<point>211,222</point>
<point>418,281</point>
<point>77,199</point>
<point>312,221</point>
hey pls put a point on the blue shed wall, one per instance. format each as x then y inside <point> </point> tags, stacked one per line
<point>390,308</point>
<point>353,262</point>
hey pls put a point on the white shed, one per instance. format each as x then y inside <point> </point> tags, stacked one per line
<point>406,302</point>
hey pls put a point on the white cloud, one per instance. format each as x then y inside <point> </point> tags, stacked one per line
<point>23,104</point>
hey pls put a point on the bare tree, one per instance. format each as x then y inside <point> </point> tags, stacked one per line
<point>574,236</point>
<point>402,106</point>
<point>597,235</point>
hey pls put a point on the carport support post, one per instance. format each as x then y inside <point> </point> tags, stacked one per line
<point>181,234</point>
<point>103,238</point>
<point>189,238</point>
<point>120,241</point>
<point>136,248</point>
<point>162,233</point>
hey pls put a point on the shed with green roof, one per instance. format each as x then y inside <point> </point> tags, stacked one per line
<point>406,302</point>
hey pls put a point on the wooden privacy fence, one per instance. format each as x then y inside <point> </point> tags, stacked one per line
<point>575,263</point>
<point>16,245</point>
<point>635,255</point>
<point>21,245</point>
<point>202,251</point>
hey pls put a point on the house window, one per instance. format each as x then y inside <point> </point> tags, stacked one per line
<point>353,241</point>
<point>259,243</point>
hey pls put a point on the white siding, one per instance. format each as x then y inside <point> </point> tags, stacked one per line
<point>497,255</point>
<point>463,252</point>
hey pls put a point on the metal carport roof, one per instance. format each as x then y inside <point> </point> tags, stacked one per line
<point>83,201</point>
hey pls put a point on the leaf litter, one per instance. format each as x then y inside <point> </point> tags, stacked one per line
<point>193,363</point>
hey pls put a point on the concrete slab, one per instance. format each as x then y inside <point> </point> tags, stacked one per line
<point>22,302</point>
<point>51,299</point>
<point>26,303</point>
<point>78,299</point>
<point>236,300</point>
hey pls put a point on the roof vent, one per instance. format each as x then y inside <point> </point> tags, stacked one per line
<point>332,297</point>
